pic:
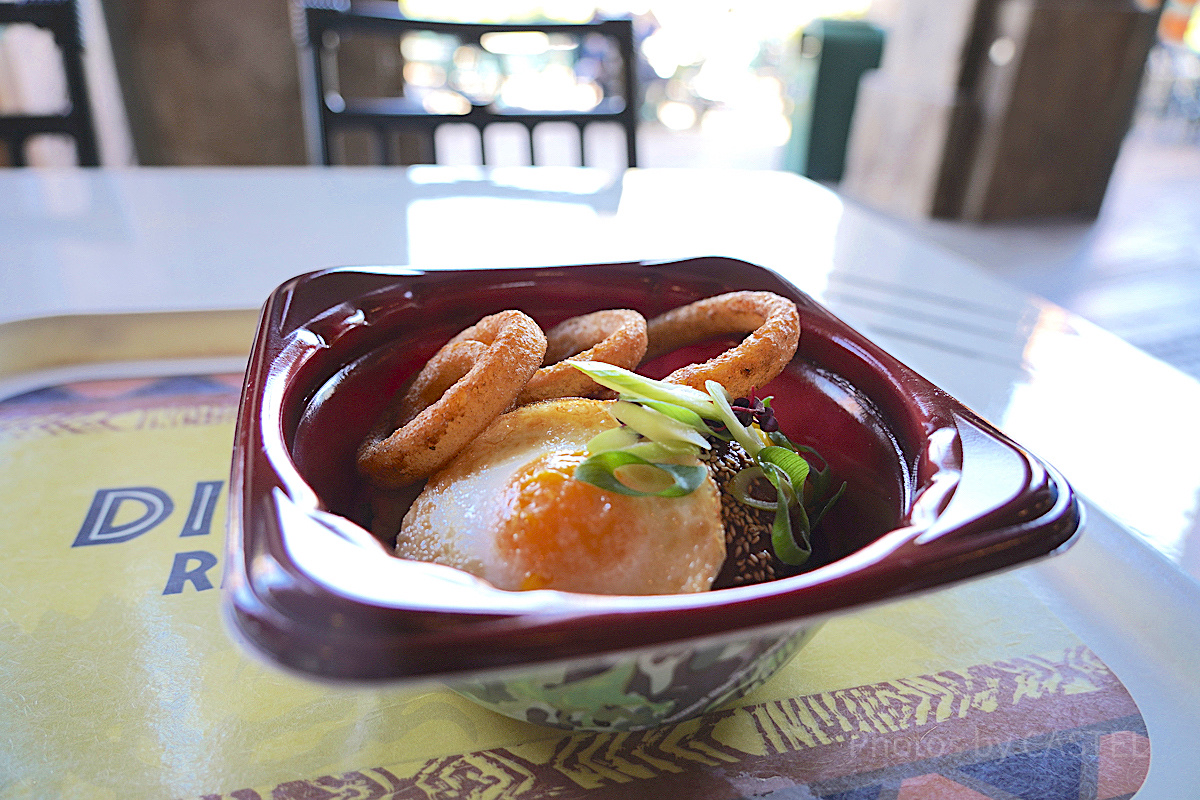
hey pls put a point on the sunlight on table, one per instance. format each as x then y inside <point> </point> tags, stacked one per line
<point>1076,385</point>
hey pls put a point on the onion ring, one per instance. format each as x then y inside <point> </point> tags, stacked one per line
<point>772,322</point>
<point>615,336</point>
<point>466,385</point>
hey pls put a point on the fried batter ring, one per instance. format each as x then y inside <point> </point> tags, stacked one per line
<point>772,322</point>
<point>615,336</point>
<point>466,385</point>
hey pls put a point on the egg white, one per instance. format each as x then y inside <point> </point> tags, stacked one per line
<point>464,516</point>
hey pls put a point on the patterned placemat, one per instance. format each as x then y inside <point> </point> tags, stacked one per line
<point>118,677</point>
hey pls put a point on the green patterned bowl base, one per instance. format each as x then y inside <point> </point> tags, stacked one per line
<point>639,691</point>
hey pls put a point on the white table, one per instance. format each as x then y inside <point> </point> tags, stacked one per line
<point>1122,427</point>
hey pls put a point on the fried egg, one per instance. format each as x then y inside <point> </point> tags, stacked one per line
<point>508,510</point>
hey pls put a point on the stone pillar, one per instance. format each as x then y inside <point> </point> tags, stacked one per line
<point>208,82</point>
<point>998,109</point>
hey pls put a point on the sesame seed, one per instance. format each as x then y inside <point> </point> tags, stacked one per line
<point>749,556</point>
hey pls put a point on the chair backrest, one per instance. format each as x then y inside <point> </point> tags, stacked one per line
<point>61,18</point>
<point>470,94</point>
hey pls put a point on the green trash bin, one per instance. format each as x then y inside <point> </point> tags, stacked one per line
<point>834,53</point>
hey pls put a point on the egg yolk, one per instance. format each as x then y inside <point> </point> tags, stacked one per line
<point>554,525</point>
<point>557,532</point>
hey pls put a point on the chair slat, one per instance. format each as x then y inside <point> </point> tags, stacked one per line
<point>326,20</point>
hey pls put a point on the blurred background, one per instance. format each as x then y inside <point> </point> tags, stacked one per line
<point>1055,143</point>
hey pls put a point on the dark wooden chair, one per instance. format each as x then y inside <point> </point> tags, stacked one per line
<point>329,113</point>
<point>61,18</point>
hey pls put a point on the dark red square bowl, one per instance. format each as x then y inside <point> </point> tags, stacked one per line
<point>935,496</point>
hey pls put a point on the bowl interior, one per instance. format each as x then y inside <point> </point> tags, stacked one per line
<point>816,405</point>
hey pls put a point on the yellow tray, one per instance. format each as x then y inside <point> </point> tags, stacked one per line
<point>118,678</point>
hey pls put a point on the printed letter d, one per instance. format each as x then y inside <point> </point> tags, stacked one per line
<point>100,526</point>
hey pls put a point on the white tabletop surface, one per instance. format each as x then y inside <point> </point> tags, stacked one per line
<point>1121,426</point>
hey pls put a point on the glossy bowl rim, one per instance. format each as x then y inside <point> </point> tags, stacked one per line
<point>283,598</point>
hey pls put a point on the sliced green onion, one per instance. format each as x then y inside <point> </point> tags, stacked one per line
<point>787,471</point>
<point>674,411</point>
<point>622,380</point>
<point>655,425</point>
<point>791,462</point>
<point>600,471</point>
<point>781,439</point>
<point>612,439</point>
<point>828,505</point>
<point>750,443</point>
<point>662,451</point>
<point>646,478</point>
<point>783,540</point>
<point>818,478</point>
<point>739,487</point>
